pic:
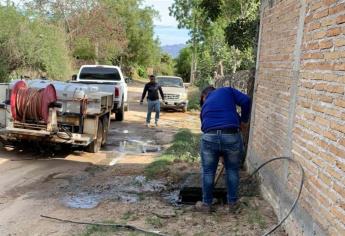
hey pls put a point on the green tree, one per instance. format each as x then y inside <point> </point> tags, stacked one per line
<point>183,63</point>
<point>31,44</point>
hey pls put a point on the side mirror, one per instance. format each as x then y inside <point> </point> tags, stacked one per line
<point>74,77</point>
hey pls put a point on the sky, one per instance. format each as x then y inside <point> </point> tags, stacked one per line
<point>166,26</point>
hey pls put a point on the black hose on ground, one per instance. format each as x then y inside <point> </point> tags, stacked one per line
<point>129,227</point>
<point>299,191</point>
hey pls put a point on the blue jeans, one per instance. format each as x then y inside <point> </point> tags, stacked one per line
<point>150,106</point>
<point>230,147</point>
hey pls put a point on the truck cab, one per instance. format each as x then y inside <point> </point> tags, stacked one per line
<point>106,79</point>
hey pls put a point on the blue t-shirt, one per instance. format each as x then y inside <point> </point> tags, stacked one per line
<point>219,110</point>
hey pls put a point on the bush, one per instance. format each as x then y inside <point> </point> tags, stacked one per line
<point>142,72</point>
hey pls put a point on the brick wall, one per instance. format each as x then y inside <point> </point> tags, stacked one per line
<point>299,111</point>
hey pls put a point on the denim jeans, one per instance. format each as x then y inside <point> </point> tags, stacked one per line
<point>230,147</point>
<point>150,106</point>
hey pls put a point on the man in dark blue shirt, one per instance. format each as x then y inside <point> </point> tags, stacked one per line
<point>221,137</point>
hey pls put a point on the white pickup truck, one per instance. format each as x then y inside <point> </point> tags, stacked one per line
<point>107,79</point>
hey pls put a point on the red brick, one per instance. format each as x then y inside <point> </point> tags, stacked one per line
<point>335,89</point>
<point>314,26</point>
<point>321,14</point>
<point>326,44</point>
<point>334,32</point>
<point>334,172</point>
<point>340,67</point>
<point>330,135</point>
<point>339,189</point>
<point>321,86</point>
<point>340,165</point>
<point>339,42</point>
<point>338,127</point>
<point>328,2</point>
<point>336,9</point>
<point>312,46</point>
<point>338,213</point>
<point>340,19</point>
<point>336,151</point>
<point>340,102</point>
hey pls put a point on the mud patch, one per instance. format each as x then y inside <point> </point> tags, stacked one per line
<point>125,189</point>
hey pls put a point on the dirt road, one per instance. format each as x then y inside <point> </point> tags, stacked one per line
<point>33,183</point>
<point>110,186</point>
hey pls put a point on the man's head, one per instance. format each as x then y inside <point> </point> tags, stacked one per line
<point>204,94</point>
<point>152,78</point>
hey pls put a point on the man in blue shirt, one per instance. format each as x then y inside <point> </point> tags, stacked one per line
<point>221,125</point>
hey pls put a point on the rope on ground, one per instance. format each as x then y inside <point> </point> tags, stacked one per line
<point>299,191</point>
<point>125,226</point>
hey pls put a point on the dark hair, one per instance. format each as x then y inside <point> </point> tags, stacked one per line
<point>204,94</point>
<point>152,76</point>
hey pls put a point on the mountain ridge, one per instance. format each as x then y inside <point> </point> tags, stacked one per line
<point>173,49</point>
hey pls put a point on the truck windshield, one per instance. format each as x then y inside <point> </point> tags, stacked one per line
<point>99,73</point>
<point>170,82</point>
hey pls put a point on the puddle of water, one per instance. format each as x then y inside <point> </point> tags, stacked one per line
<point>133,146</point>
<point>82,201</point>
<point>126,189</point>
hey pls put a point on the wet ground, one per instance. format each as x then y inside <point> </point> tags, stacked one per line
<point>110,186</point>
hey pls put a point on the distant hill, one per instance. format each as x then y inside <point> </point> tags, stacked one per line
<point>173,50</point>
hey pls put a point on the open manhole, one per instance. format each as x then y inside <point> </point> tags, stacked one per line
<point>191,190</point>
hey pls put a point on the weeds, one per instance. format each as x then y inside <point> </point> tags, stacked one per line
<point>100,230</point>
<point>129,216</point>
<point>154,221</point>
<point>193,98</point>
<point>185,148</point>
<point>254,217</point>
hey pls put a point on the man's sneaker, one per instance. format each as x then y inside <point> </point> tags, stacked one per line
<point>148,125</point>
<point>234,208</point>
<point>156,124</point>
<point>203,207</point>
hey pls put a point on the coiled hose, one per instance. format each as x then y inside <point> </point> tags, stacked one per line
<point>28,104</point>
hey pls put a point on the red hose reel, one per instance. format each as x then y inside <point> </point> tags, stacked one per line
<point>30,103</point>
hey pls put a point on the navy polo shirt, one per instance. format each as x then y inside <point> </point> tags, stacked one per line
<point>220,109</point>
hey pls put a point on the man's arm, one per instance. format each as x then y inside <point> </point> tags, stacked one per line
<point>161,92</point>
<point>244,102</point>
<point>144,93</point>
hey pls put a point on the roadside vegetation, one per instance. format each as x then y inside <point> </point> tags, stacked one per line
<point>53,38</point>
<point>185,148</point>
<point>193,98</point>
<point>223,37</point>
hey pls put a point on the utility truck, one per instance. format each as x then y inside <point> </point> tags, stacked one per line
<point>54,112</point>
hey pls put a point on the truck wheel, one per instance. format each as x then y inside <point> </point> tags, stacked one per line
<point>95,146</point>
<point>120,113</point>
<point>105,129</point>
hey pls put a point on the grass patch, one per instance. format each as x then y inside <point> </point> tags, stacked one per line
<point>193,98</point>
<point>154,221</point>
<point>93,230</point>
<point>255,217</point>
<point>185,147</point>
